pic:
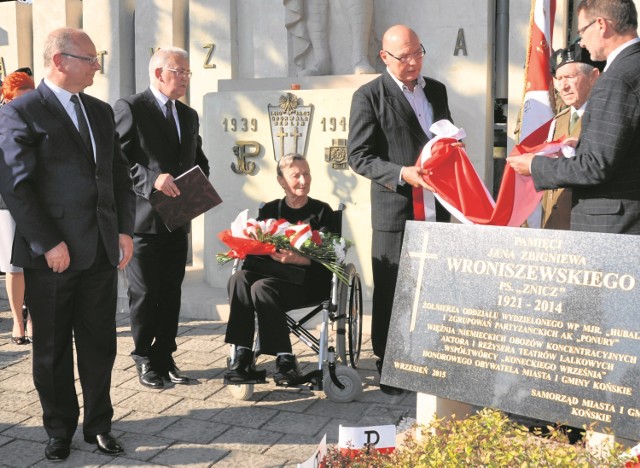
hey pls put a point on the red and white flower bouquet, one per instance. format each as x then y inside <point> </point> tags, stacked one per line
<point>248,236</point>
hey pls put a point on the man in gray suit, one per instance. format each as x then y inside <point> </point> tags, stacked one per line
<point>388,127</point>
<point>68,188</point>
<point>605,172</point>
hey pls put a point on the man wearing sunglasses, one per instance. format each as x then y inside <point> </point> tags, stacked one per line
<point>160,137</point>
<point>68,188</point>
<point>388,127</point>
<point>605,172</point>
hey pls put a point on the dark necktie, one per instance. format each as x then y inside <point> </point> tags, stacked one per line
<point>83,127</point>
<point>171,118</point>
<point>573,121</point>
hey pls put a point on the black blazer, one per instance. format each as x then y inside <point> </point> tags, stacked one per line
<point>384,136</point>
<point>605,173</point>
<point>52,185</point>
<point>149,144</point>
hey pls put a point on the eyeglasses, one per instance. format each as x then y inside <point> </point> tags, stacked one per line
<point>407,58</point>
<point>180,73</point>
<point>89,60</point>
<point>582,30</point>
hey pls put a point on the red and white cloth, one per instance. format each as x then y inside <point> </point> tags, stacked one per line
<point>459,188</point>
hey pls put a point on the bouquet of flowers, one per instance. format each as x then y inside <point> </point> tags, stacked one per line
<point>250,237</point>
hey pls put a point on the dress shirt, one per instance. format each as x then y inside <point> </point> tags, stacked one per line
<point>162,101</point>
<point>615,52</point>
<point>64,97</point>
<point>424,112</point>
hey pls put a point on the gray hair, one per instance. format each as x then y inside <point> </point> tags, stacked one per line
<point>59,40</point>
<point>162,57</point>
<point>287,160</point>
<point>585,68</point>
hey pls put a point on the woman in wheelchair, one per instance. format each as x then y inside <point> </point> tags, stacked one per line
<point>269,286</point>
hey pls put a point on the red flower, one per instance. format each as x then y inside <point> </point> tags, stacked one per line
<point>315,238</point>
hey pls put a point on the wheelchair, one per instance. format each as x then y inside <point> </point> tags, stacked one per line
<point>341,325</point>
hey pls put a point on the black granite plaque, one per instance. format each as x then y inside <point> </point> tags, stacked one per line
<point>539,323</point>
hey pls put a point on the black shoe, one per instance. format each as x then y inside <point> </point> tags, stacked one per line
<point>173,374</point>
<point>287,370</point>
<point>19,340</point>
<point>105,442</point>
<point>57,449</point>
<point>149,377</point>
<point>387,389</point>
<point>243,369</point>
<point>390,390</point>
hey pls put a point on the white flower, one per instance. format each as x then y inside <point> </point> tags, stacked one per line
<point>339,249</point>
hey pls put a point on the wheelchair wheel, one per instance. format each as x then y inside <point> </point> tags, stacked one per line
<point>349,339</point>
<point>241,391</point>
<point>347,377</point>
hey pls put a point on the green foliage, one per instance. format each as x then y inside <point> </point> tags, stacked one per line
<point>487,439</point>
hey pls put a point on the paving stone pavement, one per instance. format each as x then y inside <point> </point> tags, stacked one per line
<point>196,425</point>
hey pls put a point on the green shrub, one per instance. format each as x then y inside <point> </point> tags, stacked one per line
<point>487,439</point>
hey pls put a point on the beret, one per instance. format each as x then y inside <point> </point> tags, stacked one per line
<point>573,53</point>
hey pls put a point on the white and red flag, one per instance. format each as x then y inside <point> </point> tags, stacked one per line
<point>449,171</point>
<point>537,110</point>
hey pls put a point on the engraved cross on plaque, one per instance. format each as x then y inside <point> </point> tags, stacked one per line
<point>295,134</point>
<point>423,256</point>
<point>281,135</point>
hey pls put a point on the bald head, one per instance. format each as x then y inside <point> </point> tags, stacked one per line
<point>70,59</point>
<point>61,40</point>
<point>398,35</point>
<point>402,53</point>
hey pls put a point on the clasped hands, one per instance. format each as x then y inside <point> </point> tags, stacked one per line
<point>290,257</point>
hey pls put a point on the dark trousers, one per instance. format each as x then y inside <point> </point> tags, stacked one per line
<point>68,306</point>
<point>155,276</point>
<point>269,299</point>
<point>385,256</point>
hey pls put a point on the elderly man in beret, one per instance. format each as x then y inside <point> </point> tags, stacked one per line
<point>574,74</point>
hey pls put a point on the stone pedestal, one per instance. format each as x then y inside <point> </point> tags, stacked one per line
<point>429,407</point>
<point>112,33</point>
<point>158,23</point>
<point>47,16</point>
<point>212,47</point>
<point>240,119</point>
<point>15,37</point>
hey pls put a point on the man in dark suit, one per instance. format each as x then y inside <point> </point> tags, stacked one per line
<point>388,127</point>
<point>159,136</point>
<point>605,172</point>
<point>68,188</point>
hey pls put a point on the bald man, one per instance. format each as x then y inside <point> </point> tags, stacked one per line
<point>388,127</point>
